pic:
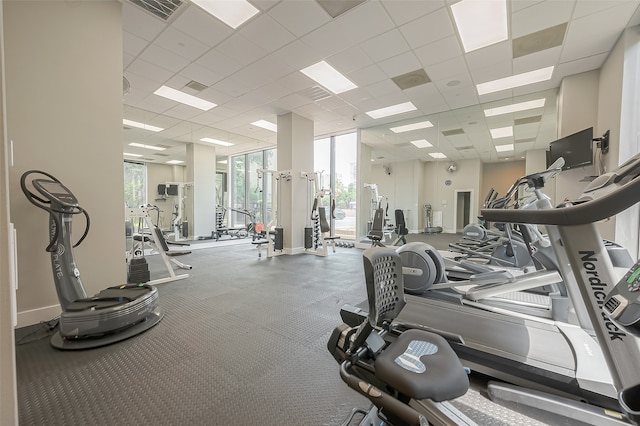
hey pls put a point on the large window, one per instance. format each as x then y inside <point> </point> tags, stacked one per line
<point>248,191</point>
<point>336,159</point>
<point>135,184</point>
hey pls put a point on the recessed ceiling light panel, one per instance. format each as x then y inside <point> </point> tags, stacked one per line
<point>517,80</point>
<point>139,125</point>
<point>507,109</point>
<point>480,23</point>
<point>501,132</point>
<point>504,148</point>
<point>152,147</point>
<point>232,12</point>
<point>437,155</point>
<point>184,98</point>
<point>329,77</point>
<point>391,110</point>
<point>412,126</point>
<point>421,143</point>
<point>266,125</point>
<point>216,141</point>
<point>174,162</point>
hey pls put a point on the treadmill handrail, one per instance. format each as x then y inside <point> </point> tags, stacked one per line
<point>580,214</point>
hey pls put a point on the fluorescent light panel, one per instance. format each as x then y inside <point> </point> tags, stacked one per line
<point>128,154</point>
<point>413,126</point>
<point>184,98</point>
<point>480,23</point>
<point>329,77</point>
<point>174,162</point>
<point>222,162</point>
<point>216,141</point>
<point>232,12</point>
<point>421,143</point>
<point>437,155</point>
<point>266,125</point>
<point>517,80</point>
<point>507,109</point>
<point>140,145</point>
<point>391,110</point>
<point>503,148</point>
<point>501,132</point>
<point>141,125</point>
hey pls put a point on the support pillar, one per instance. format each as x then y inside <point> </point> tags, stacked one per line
<point>201,205</point>
<point>295,153</point>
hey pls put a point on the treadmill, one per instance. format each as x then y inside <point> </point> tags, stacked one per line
<point>112,315</point>
<point>536,353</point>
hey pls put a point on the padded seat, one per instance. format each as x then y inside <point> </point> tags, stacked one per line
<point>422,365</point>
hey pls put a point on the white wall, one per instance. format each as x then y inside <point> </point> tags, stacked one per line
<point>439,188</point>
<point>64,108</point>
<point>8,394</point>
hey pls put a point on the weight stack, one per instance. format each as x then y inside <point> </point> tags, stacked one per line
<point>278,241</point>
<point>308,238</point>
<point>138,271</point>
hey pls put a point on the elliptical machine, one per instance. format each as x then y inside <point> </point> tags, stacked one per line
<point>114,314</point>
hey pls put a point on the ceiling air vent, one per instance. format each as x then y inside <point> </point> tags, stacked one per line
<point>159,145</point>
<point>453,132</point>
<point>160,154</point>
<point>337,8</point>
<point>316,93</point>
<point>411,79</point>
<point>195,86</point>
<point>163,9</point>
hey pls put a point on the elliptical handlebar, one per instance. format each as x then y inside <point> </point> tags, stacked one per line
<point>53,213</point>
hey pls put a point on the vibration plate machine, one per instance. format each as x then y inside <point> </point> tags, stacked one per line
<point>115,313</point>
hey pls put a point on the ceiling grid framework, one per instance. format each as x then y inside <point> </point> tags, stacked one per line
<point>253,72</point>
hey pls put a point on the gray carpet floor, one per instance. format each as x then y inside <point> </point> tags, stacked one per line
<point>242,342</point>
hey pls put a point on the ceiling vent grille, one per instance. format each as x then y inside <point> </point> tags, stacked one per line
<point>316,93</point>
<point>453,132</point>
<point>163,9</point>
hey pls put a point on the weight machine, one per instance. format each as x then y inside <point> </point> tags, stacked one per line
<point>274,233</point>
<point>136,252</point>
<point>317,234</point>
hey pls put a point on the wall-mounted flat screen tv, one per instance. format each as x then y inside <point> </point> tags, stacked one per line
<point>576,149</point>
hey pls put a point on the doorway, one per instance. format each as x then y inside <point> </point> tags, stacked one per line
<point>462,208</point>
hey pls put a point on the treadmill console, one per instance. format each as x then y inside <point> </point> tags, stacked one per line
<point>56,192</point>
<point>623,303</point>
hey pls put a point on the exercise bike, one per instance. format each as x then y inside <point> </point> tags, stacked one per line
<point>114,314</point>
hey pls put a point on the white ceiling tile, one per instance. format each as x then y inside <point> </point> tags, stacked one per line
<point>240,49</point>
<point>299,17</point>
<point>132,44</point>
<point>349,60</point>
<point>401,64</point>
<point>275,91</point>
<point>403,11</point>
<point>382,88</point>
<point>141,82</point>
<point>328,39</point>
<point>200,74</point>
<point>141,23</point>
<point>184,112</point>
<point>385,45</point>
<point>523,4</point>
<point>267,33</point>
<point>581,65</point>
<point>177,82</point>
<point>149,71</point>
<point>292,101</point>
<point>296,81</point>
<point>163,58</point>
<point>537,60</point>
<point>127,60</point>
<point>200,25</point>
<point>496,53</point>
<point>453,69</point>
<point>493,71</point>
<point>356,96</point>
<point>297,55</point>
<point>581,39</point>
<point>219,63</point>
<point>540,16</point>
<point>231,86</point>
<point>263,72</point>
<point>439,51</point>
<point>181,44</point>
<point>584,8</point>
<point>366,21</point>
<point>427,29</point>
<point>157,104</point>
<point>369,75</point>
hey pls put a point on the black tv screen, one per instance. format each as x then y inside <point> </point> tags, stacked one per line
<point>576,149</point>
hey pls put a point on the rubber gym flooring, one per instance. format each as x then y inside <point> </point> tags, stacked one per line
<point>242,342</point>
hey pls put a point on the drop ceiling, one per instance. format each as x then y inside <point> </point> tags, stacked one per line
<point>395,51</point>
